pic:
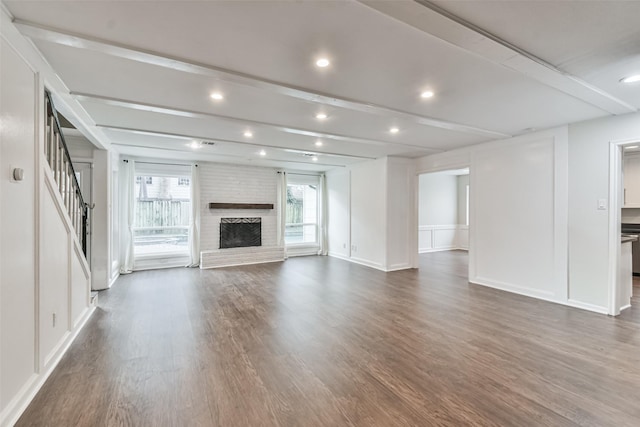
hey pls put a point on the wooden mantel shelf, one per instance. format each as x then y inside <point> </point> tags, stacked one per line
<point>240,205</point>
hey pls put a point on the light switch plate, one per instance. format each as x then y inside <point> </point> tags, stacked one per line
<point>602,204</point>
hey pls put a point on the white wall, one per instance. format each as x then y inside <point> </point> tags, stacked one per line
<point>44,278</point>
<point>368,207</point>
<point>462,181</point>
<point>222,183</point>
<point>372,213</point>
<point>588,182</point>
<point>519,208</point>
<point>101,268</point>
<point>401,207</point>
<point>339,213</point>
<point>18,265</point>
<point>438,199</point>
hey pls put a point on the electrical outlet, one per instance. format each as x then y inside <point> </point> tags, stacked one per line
<point>54,320</point>
<point>344,246</point>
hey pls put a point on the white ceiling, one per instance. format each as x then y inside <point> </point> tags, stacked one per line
<point>143,71</point>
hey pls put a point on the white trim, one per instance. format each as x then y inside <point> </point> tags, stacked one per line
<point>398,267</point>
<point>521,290</point>
<point>615,205</point>
<point>367,263</point>
<point>586,306</point>
<point>113,280</point>
<point>23,398</point>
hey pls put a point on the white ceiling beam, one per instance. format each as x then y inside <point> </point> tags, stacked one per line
<point>161,109</point>
<point>57,36</point>
<point>228,141</point>
<point>438,22</point>
<point>149,151</point>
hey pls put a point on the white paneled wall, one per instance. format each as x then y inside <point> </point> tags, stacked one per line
<point>432,238</point>
<point>222,183</point>
<point>519,203</point>
<point>44,278</point>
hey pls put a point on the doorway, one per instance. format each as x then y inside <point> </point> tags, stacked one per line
<point>624,219</point>
<point>443,211</point>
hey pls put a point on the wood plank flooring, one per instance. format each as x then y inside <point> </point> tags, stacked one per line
<point>318,341</point>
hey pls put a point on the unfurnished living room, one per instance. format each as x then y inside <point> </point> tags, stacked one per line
<point>319,213</point>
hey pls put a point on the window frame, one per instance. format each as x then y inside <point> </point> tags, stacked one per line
<point>311,180</point>
<point>183,252</point>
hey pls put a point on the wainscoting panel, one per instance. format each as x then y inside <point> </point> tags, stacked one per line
<point>433,238</point>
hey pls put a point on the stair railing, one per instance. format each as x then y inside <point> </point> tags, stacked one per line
<point>57,154</point>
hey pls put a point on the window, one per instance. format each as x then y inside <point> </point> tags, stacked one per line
<point>148,180</point>
<point>302,210</point>
<point>162,214</point>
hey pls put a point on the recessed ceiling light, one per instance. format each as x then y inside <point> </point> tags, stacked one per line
<point>194,144</point>
<point>394,130</point>
<point>262,153</point>
<point>322,62</point>
<point>318,143</point>
<point>321,116</point>
<point>315,159</point>
<point>632,147</point>
<point>427,94</point>
<point>631,79</point>
<point>248,134</point>
<point>217,96</point>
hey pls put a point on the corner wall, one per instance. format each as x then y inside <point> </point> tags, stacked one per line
<point>371,213</point>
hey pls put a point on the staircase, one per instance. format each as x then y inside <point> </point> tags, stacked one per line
<point>57,156</point>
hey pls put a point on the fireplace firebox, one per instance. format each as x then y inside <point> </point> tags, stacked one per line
<point>240,232</point>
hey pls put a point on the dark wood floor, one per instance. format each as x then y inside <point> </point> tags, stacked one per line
<point>318,341</point>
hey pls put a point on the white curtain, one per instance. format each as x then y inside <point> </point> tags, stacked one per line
<point>194,222</point>
<point>127,214</point>
<point>322,216</point>
<point>282,209</point>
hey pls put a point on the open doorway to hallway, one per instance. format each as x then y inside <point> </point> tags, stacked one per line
<point>443,211</point>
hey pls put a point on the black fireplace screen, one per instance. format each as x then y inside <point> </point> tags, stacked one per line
<point>240,232</point>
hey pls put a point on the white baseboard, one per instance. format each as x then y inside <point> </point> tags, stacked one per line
<point>359,261</point>
<point>426,251</point>
<point>587,306</point>
<point>520,290</point>
<point>452,248</point>
<point>398,267</point>
<point>339,256</point>
<point>541,295</point>
<point>16,407</point>
<point>367,263</point>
